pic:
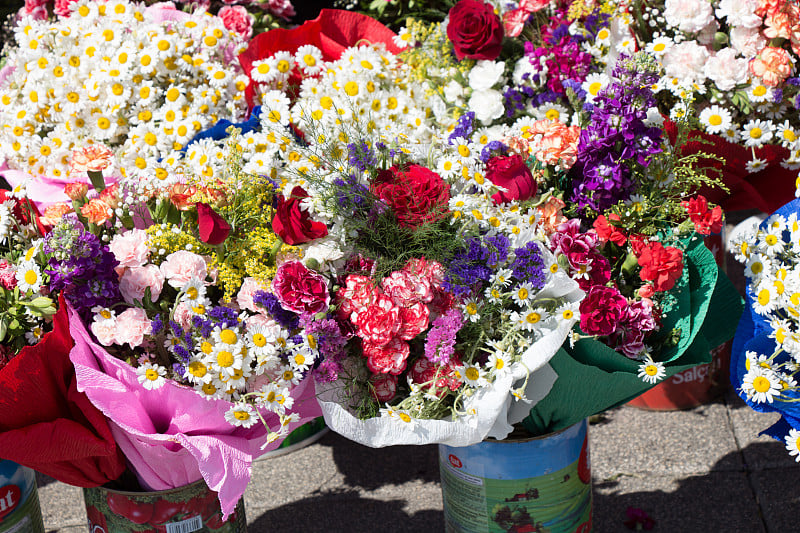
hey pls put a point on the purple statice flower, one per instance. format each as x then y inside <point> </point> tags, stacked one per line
<point>498,246</point>
<point>156,325</point>
<point>468,268</point>
<point>492,149</point>
<point>361,156</point>
<point>203,325</point>
<point>267,300</point>
<point>528,265</point>
<point>327,371</point>
<point>179,369</point>
<point>352,195</point>
<point>441,339</point>
<point>777,95</point>
<point>464,127</point>
<point>617,139</point>
<point>515,99</point>
<point>223,316</point>
<point>182,353</point>
<point>330,344</point>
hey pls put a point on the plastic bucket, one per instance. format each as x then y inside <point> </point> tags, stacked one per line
<point>19,500</point>
<point>541,484</point>
<point>186,509</point>
<point>305,435</point>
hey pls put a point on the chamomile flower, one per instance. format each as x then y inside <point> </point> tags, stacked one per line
<point>194,292</point>
<point>502,277</point>
<point>792,441</point>
<point>757,133</point>
<point>471,310</point>
<point>473,375</point>
<point>151,376</point>
<point>499,364</point>
<point>29,277</point>
<point>659,46</point>
<point>755,165</point>
<point>758,93</point>
<point>651,371</point>
<point>402,416</point>
<point>569,311</point>
<point>523,293</point>
<point>301,360</point>
<point>771,242</point>
<point>276,398</point>
<point>241,415</point>
<point>530,319</point>
<point>34,335</point>
<point>761,384</point>
<point>757,266</point>
<point>715,119</point>
<point>197,372</point>
<point>593,84</point>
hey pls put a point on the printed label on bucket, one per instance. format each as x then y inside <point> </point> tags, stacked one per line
<point>537,485</point>
<point>19,500</point>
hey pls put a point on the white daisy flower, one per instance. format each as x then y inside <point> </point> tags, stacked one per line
<point>523,293</point>
<point>757,265</point>
<point>151,376</point>
<point>761,384</point>
<point>593,84</point>
<point>473,375</point>
<point>499,364</point>
<point>651,371</point>
<point>309,58</point>
<point>793,444</point>
<point>715,119</point>
<point>29,277</point>
<point>34,335</point>
<point>755,165</point>
<point>241,415</point>
<point>756,133</point>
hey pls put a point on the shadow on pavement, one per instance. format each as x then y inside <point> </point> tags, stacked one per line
<point>371,468</point>
<point>346,511</point>
<point>766,499</point>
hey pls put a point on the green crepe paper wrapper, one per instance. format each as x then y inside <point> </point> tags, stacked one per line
<point>593,377</point>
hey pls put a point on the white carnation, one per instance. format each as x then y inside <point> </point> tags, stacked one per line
<point>487,105</point>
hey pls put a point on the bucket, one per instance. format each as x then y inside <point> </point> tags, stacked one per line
<point>305,435</point>
<point>19,500</point>
<point>541,484</point>
<point>186,509</point>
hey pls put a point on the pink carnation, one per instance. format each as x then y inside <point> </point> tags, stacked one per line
<point>181,266</point>
<point>244,298</point>
<point>136,280</point>
<point>237,20</point>
<point>384,387</point>
<point>183,316</point>
<point>357,293</point>
<point>299,289</point>
<point>104,331</point>
<point>62,7</point>
<point>387,358</point>
<point>130,248</point>
<point>131,327</point>
<point>772,65</point>
<point>379,322</point>
<point>8,275</point>
<point>414,319</point>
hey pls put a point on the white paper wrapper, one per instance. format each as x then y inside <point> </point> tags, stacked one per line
<point>496,410</point>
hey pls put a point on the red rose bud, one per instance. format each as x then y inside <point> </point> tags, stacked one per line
<point>475,30</point>
<point>512,174</point>
<point>292,223</point>
<point>76,190</point>
<point>213,228</point>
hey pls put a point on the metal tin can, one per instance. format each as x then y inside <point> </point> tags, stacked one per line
<point>19,500</point>
<point>541,484</point>
<point>186,509</point>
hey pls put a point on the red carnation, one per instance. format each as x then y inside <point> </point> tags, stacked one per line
<point>475,30</point>
<point>663,266</point>
<point>705,221</point>
<point>292,223</point>
<point>609,232</point>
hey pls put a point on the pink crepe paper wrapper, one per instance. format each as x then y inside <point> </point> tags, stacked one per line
<point>46,190</point>
<point>171,436</point>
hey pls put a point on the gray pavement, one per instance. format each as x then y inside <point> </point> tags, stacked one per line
<point>699,470</point>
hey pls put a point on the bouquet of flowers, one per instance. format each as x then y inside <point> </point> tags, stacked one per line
<point>142,81</point>
<point>764,363</point>
<point>736,60</point>
<point>45,422</point>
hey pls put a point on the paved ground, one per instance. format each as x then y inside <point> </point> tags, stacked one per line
<point>699,470</point>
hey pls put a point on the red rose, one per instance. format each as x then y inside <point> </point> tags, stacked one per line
<point>607,231</point>
<point>663,266</point>
<point>414,320</point>
<point>292,223</point>
<point>384,387</point>
<point>417,195</point>
<point>299,289</point>
<point>705,222</point>
<point>213,228</point>
<point>475,30</point>
<point>237,20</point>
<point>379,321</point>
<point>389,358</point>
<point>512,174</point>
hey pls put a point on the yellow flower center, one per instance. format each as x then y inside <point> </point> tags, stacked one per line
<point>761,384</point>
<point>225,359</point>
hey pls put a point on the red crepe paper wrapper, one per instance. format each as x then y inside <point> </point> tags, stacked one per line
<point>332,32</point>
<point>765,190</point>
<point>46,424</point>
